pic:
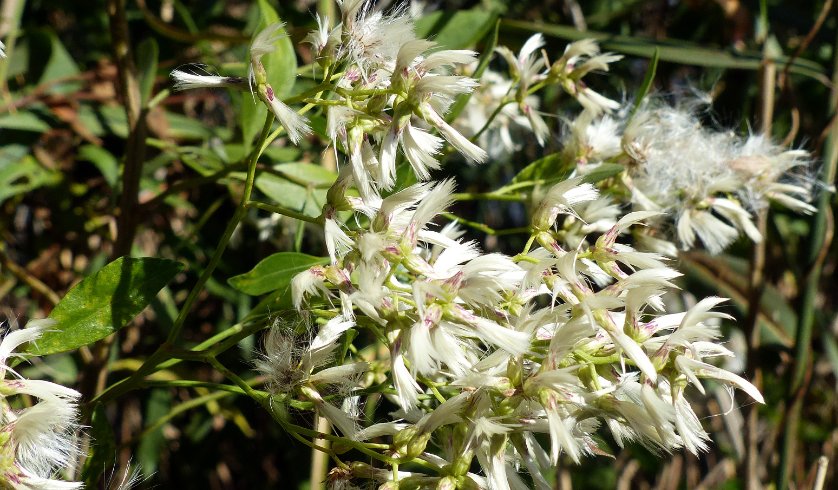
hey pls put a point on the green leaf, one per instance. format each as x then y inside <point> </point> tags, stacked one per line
<point>114,119</point>
<point>102,453</point>
<point>59,64</point>
<point>306,174</point>
<point>104,161</point>
<point>281,64</point>
<point>23,121</point>
<point>20,172</point>
<point>459,30</point>
<point>676,51</point>
<point>548,166</point>
<point>601,172</point>
<point>182,127</point>
<point>483,63</point>
<point>253,118</point>
<point>551,169</point>
<point>274,272</point>
<point>104,302</point>
<point>147,55</point>
<point>647,81</point>
<point>151,444</point>
<point>291,195</point>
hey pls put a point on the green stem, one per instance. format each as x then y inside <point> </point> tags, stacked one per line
<point>488,196</point>
<point>485,228</point>
<point>174,334</point>
<point>283,211</point>
<point>503,103</point>
<point>163,352</point>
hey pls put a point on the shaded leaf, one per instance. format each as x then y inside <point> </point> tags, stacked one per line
<point>59,64</point>
<point>549,166</point>
<point>307,173</point>
<point>20,172</point>
<point>102,452</point>
<point>147,55</point>
<point>103,160</point>
<point>727,275</point>
<point>458,30</point>
<point>151,444</point>
<point>648,79</point>
<point>23,121</point>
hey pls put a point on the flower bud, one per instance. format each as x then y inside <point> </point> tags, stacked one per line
<point>447,483</point>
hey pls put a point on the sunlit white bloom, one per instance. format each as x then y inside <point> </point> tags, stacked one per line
<point>337,241</point>
<point>307,283</point>
<point>709,182</point>
<point>37,441</point>
<point>186,81</point>
<point>592,139</point>
<point>371,37</point>
<point>407,388</point>
<point>527,65</point>
<point>499,138</point>
<point>323,39</point>
<point>579,59</point>
<point>472,152</point>
<point>561,199</point>
<point>694,370</point>
<point>295,125</point>
<point>526,69</point>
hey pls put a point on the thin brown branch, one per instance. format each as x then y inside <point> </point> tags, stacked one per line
<point>24,276</point>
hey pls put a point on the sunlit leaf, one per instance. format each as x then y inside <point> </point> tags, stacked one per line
<point>104,302</point>
<point>274,272</point>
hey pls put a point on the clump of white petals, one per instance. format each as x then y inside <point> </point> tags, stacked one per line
<point>569,341</point>
<point>37,442</point>
<point>482,352</point>
<point>706,184</point>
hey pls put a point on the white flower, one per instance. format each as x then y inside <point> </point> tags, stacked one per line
<point>186,81</point>
<point>709,182</point>
<point>694,370</point>
<point>295,125</point>
<point>499,139</point>
<point>37,441</point>
<point>323,39</point>
<point>407,389</point>
<point>526,70</point>
<point>472,152</point>
<point>579,59</point>
<point>526,67</point>
<point>373,39</point>
<point>561,199</point>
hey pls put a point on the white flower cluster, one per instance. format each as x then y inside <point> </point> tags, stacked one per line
<point>489,113</point>
<point>37,441</point>
<point>707,183</point>
<point>487,350</point>
<point>481,352</point>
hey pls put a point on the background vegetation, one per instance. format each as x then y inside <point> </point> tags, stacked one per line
<point>99,159</point>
